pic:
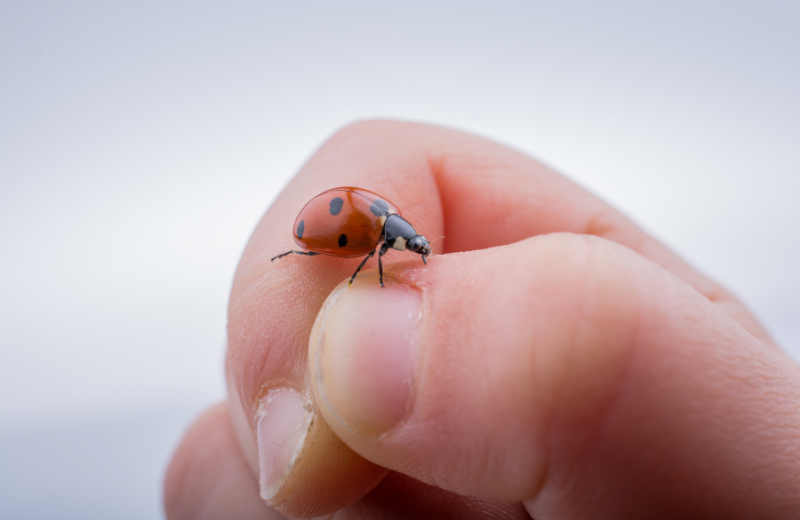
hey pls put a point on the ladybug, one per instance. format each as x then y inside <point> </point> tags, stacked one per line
<point>349,222</point>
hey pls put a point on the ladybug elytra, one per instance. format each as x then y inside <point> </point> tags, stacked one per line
<point>349,222</point>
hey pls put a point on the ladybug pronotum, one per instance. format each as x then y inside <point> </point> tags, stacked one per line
<point>349,222</point>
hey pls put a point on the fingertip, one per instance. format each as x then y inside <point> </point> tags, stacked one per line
<point>362,354</point>
<point>455,367</point>
<point>297,463</point>
<point>325,476</point>
<point>208,478</point>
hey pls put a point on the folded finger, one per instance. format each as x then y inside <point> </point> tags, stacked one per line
<point>208,478</point>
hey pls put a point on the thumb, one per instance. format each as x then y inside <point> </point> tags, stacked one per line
<point>564,371</point>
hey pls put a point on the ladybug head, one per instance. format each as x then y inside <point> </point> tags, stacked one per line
<point>419,244</point>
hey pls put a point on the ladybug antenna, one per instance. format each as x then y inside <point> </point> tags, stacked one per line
<point>428,247</point>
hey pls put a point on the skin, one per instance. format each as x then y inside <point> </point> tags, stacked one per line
<point>569,366</point>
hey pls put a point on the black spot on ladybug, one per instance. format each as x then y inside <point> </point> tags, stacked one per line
<point>342,239</point>
<point>300,228</point>
<point>336,206</point>
<point>379,208</point>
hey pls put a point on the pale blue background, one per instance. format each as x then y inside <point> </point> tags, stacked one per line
<point>140,143</point>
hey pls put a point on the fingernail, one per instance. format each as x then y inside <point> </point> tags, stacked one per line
<point>366,345</point>
<point>283,419</point>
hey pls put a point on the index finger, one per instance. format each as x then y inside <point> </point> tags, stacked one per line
<point>475,192</point>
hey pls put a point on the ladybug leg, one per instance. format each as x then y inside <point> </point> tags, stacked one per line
<point>361,265</point>
<point>424,260</point>
<point>307,253</point>
<point>384,248</point>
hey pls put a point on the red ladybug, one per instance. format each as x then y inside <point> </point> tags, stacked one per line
<point>349,222</point>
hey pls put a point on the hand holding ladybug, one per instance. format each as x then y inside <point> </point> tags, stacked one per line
<point>553,362</point>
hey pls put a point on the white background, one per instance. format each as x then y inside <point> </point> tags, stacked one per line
<point>140,143</point>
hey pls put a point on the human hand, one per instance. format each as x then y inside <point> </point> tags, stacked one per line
<point>557,363</point>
